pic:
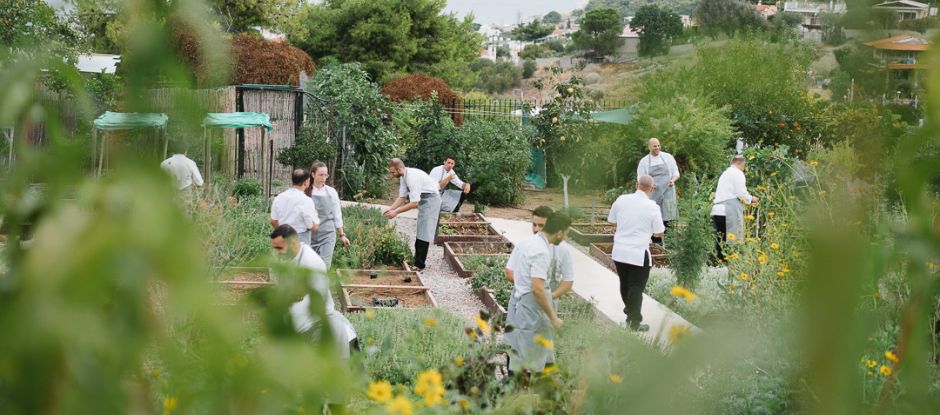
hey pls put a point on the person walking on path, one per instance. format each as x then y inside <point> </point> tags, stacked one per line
<point>416,190</point>
<point>728,211</point>
<point>531,313</point>
<point>638,219</point>
<point>662,167</point>
<point>293,207</point>
<point>330,212</point>
<point>287,245</point>
<point>451,200</point>
<point>561,276</point>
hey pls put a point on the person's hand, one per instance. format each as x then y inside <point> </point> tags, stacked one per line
<point>671,182</point>
<point>344,239</point>
<point>390,214</point>
<point>452,176</point>
<point>556,322</point>
<point>753,200</point>
<point>466,187</point>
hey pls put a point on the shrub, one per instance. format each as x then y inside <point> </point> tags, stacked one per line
<point>234,232</point>
<point>254,60</point>
<point>528,68</point>
<point>421,87</point>
<point>429,135</point>
<point>494,279</point>
<point>691,241</point>
<point>532,51</point>
<point>310,145</point>
<point>398,344</point>
<point>246,187</point>
<point>497,160</point>
<point>374,241</point>
<point>496,77</point>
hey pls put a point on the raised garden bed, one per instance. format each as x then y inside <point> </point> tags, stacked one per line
<point>230,292</point>
<point>236,282</point>
<point>586,233</point>
<point>469,264</point>
<point>380,277</point>
<point>453,250</point>
<point>602,252</point>
<point>361,297</point>
<point>462,218</point>
<point>488,297</point>
<point>468,232</point>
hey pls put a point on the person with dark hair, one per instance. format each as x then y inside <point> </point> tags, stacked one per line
<point>284,240</point>
<point>416,190</point>
<point>444,174</point>
<point>293,207</point>
<point>638,219</point>
<point>326,200</point>
<point>561,276</point>
<point>730,197</point>
<point>531,312</point>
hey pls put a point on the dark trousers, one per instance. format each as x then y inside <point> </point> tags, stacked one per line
<point>720,230</point>
<point>659,241</point>
<point>421,252</point>
<point>633,280</point>
<point>460,202</point>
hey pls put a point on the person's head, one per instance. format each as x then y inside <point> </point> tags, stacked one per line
<point>645,184</point>
<point>179,146</point>
<point>738,161</point>
<point>396,167</point>
<point>300,178</point>
<point>449,163</point>
<point>320,173</point>
<point>556,227</point>
<point>285,242</point>
<point>539,216</point>
<point>654,146</point>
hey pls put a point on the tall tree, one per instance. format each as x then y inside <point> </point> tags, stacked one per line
<point>31,22</point>
<point>656,26</point>
<point>531,31</point>
<point>239,16</point>
<point>551,17</point>
<point>600,32</point>
<point>727,16</point>
<point>389,37</point>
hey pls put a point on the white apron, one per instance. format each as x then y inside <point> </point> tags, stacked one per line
<point>449,199</point>
<point>663,195</point>
<point>429,211</point>
<point>528,320</point>
<point>324,240</point>
<point>734,218</point>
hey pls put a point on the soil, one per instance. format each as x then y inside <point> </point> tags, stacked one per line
<point>259,276</point>
<point>472,229</point>
<point>485,248</point>
<point>462,218</point>
<point>407,298</point>
<point>363,277</point>
<point>595,229</point>
<point>232,293</point>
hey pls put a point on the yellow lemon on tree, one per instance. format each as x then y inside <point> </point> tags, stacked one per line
<point>562,138</point>
<point>569,90</point>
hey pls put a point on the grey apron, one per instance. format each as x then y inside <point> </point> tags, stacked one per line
<point>528,320</point>
<point>449,199</point>
<point>324,240</point>
<point>734,218</point>
<point>663,195</point>
<point>429,211</point>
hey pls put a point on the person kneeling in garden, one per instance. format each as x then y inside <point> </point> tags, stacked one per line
<point>287,245</point>
<point>531,313</point>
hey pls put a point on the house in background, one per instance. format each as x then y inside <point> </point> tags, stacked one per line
<point>97,63</point>
<point>811,27</point>
<point>901,58</point>
<point>765,10</point>
<point>907,9</point>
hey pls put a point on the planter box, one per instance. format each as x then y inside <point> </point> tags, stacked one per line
<point>359,297</point>
<point>382,277</point>
<point>454,250</point>
<point>458,262</point>
<point>488,298</point>
<point>602,251</point>
<point>462,218</point>
<point>243,275</point>
<point>382,267</point>
<point>230,292</point>
<point>586,234</point>
<point>470,232</point>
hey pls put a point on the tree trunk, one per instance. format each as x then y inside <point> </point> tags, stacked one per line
<point>564,179</point>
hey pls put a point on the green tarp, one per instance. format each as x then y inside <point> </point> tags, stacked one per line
<point>112,121</point>
<point>237,120</point>
<point>618,116</point>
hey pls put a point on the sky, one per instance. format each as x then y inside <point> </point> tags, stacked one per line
<point>509,11</point>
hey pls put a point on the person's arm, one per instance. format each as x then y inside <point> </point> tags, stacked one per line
<point>659,229</point>
<point>641,168</point>
<point>567,271</point>
<point>274,214</point>
<point>310,214</point>
<point>674,169</point>
<point>456,180</point>
<point>563,288</point>
<point>274,223</point>
<point>197,177</point>
<point>510,276</point>
<point>338,217</point>
<point>538,290</point>
<point>612,215</point>
<point>740,188</point>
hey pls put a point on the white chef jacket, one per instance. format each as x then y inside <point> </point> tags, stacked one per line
<point>330,192</point>
<point>293,207</point>
<point>183,170</point>
<point>731,185</point>
<point>529,258</point>
<point>437,174</point>
<point>642,169</point>
<point>300,314</point>
<point>416,182</point>
<point>637,218</point>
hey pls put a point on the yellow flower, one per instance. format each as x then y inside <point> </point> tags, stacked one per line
<point>751,158</point>
<point>749,239</point>
<point>780,274</point>
<point>380,391</point>
<point>370,314</point>
<point>762,259</point>
<point>370,340</point>
<point>482,324</point>
<point>549,369</point>
<point>813,163</point>
<point>683,292</point>
<point>749,217</point>
<point>430,385</point>
<point>744,276</point>
<point>472,334</point>
<point>871,363</point>
<point>615,378</point>
<point>771,214</point>
<point>733,256</point>
<point>541,341</point>
<point>459,361</point>
<point>400,406</point>
<point>822,192</point>
<point>430,322</point>
<point>677,332</point>
<point>784,225</point>
<point>774,246</point>
<point>731,236</point>
<point>463,404</point>
<point>773,174</point>
<point>891,356</point>
<point>884,370</point>
<point>169,404</point>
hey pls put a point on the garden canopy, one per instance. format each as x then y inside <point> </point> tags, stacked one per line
<point>237,120</point>
<point>618,116</point>
<point>113,121</point>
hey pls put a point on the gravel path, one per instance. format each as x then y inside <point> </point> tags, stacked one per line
<point>451,292</point>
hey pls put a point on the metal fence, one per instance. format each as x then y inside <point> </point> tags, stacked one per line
<point>508,109</point>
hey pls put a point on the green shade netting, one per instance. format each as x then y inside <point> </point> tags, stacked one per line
<point>618,116</point>
<point>111,121</point>
<point>237,120</point>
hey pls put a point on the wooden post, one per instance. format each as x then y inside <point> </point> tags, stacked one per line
<point>270,161</point>
<point>94,147</point>
<point>207,159</point>
<point>104,140</point>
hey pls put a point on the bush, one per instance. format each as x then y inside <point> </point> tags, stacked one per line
<point>245,188</point>
<point>691,241</point>
<point>528,68</point>
<point>496,77</point>
<point>532,51</point>
<point>497,160</point>
<point>374,242</point>
<point>421,87</point>
<point>310,145</point>
<point>233,230</point>
<point>494,279</point>
<point>399,344</point>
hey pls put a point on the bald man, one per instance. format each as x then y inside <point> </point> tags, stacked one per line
<point>638,219</point>
<point>661,166</point>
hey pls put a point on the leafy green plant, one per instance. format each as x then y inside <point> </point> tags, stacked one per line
<point>233,230</point>
<point>246,187</point>
<point>692,241</point>
<point>374,241</point>
<point>479,262</point>
<point>493,279</point>
<point>310,145</point>
<point>480,208</point>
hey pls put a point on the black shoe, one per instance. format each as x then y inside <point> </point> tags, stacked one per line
<point>639,327</point>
